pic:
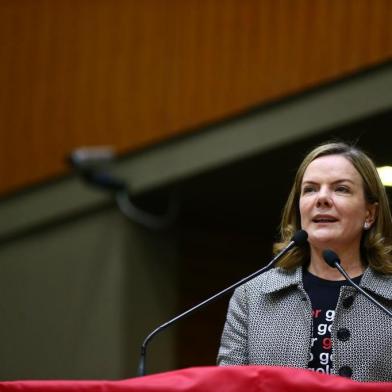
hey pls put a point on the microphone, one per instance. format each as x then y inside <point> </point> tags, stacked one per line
<point>332,259</point>
<point>299,239</point>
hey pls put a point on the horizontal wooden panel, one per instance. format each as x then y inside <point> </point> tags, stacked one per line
<point>133,73</point>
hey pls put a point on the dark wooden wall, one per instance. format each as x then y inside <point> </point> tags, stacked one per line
<point>131,73</point>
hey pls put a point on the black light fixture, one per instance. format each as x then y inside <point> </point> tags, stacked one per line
<point>92,164</point>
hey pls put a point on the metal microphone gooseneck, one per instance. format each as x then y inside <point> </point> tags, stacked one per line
<point>332,259</point>
<point>299,238</point>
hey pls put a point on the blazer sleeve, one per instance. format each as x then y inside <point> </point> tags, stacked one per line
<point>234,342</point>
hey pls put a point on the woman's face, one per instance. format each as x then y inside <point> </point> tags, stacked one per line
<point>332,204</point>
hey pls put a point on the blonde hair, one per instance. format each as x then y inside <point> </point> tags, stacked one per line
<point>376,245</point>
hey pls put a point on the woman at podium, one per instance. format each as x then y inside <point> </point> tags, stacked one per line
<point>303,313</point>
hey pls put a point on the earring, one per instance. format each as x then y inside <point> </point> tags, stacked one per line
<point>366,225</point>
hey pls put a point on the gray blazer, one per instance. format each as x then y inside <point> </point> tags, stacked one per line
<point>269,323</point>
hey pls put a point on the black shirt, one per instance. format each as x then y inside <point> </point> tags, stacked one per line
<point>324,295</point>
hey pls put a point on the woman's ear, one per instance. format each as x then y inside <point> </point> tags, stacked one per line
<point>371,215</point>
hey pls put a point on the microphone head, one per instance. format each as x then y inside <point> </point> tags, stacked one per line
<point>331,258</point>
<point>300,237</point>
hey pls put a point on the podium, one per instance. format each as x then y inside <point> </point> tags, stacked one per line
<point>210,379</point>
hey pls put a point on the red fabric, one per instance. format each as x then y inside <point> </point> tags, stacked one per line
<point>206,379</point>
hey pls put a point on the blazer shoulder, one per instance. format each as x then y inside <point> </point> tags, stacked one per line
<point>274,280</point>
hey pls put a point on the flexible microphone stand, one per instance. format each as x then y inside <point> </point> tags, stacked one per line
<point>332,259</point>
<point>299,238</point>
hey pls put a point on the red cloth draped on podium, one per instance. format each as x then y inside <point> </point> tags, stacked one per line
<point>206,379</point>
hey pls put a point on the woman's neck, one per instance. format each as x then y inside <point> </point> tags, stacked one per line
<point>350,261</point>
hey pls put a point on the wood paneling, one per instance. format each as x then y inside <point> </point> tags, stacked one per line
<point>130,73</point>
